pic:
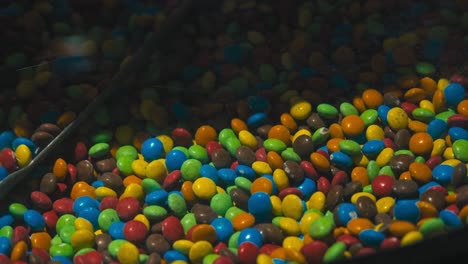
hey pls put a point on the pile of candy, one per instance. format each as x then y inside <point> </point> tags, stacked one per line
<point>291,134</point>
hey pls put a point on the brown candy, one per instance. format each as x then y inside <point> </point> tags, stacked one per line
<point>437,199</point>
<point>270,233</point>
<point>303,145</point>
<point>106,257</point>
<point>157,243</point>
<point>334,197</point>
<point>221,158</point>
<point>41,138</point>
<point>240,197</point>
<point>459,174</point>
<point>154,258</point>
<point>102,241</point>
<point>35,259</point>
<point>106,165</point>
<point>294,172</point>
<point>314,121</point>
<point>351,188</point>
<point>366,207</point>
<point>84,171</point>
<point>405,189</point>
<point>400,163</point>
<point>112,181</point>
<point>263,130</point>
<point>402,138</point>
<point>50,128</point>
<point>245,155</point>
<point>383,218</point>
<point>203,213</point>
<point>391,100</point>
<point>462,198</point>
<point>48,183</point>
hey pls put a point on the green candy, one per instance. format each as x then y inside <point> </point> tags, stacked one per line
<point>17,210</point>
<point>65,220</point>
<point>320,136</point>
<point>150,185</point>
<point>232,144</point>
<point>367,188</point>
<point>387,170</point>
<point>6,231</point>
<point>183,149</point>
<point>84,251</point>
<point>460,149</point>
<point>154,212</point>
<point>433,225</point>
<point>66,232</point>
<point>369,116</point>
<point>220,203</point>
<point>107,217</point>
<point>224,134</point>
<point>102,136</point>
<point>321,227</point>
<point>423,114</point>
<point>63,249</point>
<point>347,109</point>
<point>420,159</point>
<point>188,221</point>
<point>124,164</point>
<point>277,220</point>
<point>403,151</point>
<point>445,114</point>
<point>210,258</point>
<point>190,169</point>
<point>56,240</point>
<point>274,144</point>
<point>425,68</point>
<point>115,245</point>
<point>198,152</point>
<point>349,147</point>
<point>289,154</point>
<point>98,150</point>
<point>334,252</point>
<point>143,258</point>
<point>327,111</point>
<point>243,183</point>
<point>177,204</point>
<point>372,169</point>
<point>127,151</point>
<point>233,212</point>
<point>313,210</point>
<point>233,240</point>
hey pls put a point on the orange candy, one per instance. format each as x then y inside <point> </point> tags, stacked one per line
<point>427,209</point>
<point>358,102</point>
<point>420,172</point>
<point>319,161</point>
<point>19,251</point>
<point>288,121</point>
<point>280,132</point>
<point>438,100</point>
<point>242,221</point>
<point>421,143</point>
<point>261,185</point>
<point>275,160</point>
<point>205,134</point>
<point>187,191</point>
<point>238,125</point>
<point>399,228</point>
<point>131,179</point>
<point>360,174</point>
<point>352,125</point>
<point>204,232</point>
<point>356,225</point>
<point>415,95</point>
<point>82,188</point>
<point>462,107</point>
<point>372,98</point>
<point>406,175</point>
<point>417,126</point>
<point>336,131</point>
<point>333,144</point>
<point>60,169</point>
<point>41,240</point>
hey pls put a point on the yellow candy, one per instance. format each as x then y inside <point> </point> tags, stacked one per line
<point>156,170</point>
<point>247,139</point>
<point>23,155</point>
<point>361,160</point>
<point>397,118</point>
<point>438,147</point>
<point>293,242</point>
<point>448,153</point>
<point>103,191</point>
<point>133,190</point>
<point>306,220</point>
<point>451,162</point>
<point>261,167</point>
<point>384,204</point>
<point>410,238</point>
<point>82,239</point>
<point>281,179</point>
<point>65,119</point>
<point>384,157</point>
<point>264,259</point>
<point>167,142</point>
<point>199,250</point>
<point>83,224</point>
<point>139,167</point>
<point>374,132</point>
<point>300,133</point>
<point>442,83</point>
<point>360,194</point>
<point>301,110</point>
<point>142,218</point>
<point>289,226</point>
<point>204,188</point>
<point>183,246</point>
<point>317,201</point>
<point>426,104</point>
<point>128,254</point>
<point>276,205</point>
<point>292,206</point>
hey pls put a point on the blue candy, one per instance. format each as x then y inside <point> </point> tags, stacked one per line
<point>227,176</point>
<point>210,172</point>
<point>84,202</point>
<point>406,210</point>
<point>116,230</point>
<point>246,171</point>
<point>158,197</point>
<point>259,205</point>
<point>443,173</point>
<point>6,138</point>
<point>34,219</point>
<point>454,94</point>
<point>307,187</point>
<point>97,184</point>
<point>373,147</point>
<point>223,228</point>
<point>152,149</point>
<point>5,245</point>
<point>3,173</point>
<point>6,220</point>
<point>257,119</point>
<point>174,159</point>
<point>25,141</point>
<point>427,186</point>
<point>457,133</point>
<point>91,214</point>
<point>371,237</point>
<point>436,128</point>
<point>451,220</point>
<point>174,255</point>
<point>346,212</point>
<point>341,160</point>
<point>62,259</point>
<point>250,234</point>
<point>382,112</point>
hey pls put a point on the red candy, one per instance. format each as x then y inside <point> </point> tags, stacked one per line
<point>382,185</point>
<point>223,260</point>
<point>247,252</point>
<point>108,202</point>
<point>92,257</point>
<point>340,178</point>
<point>50,218</point>
<point>261,155</point>
<point>172,229</point>
<point>171,180</point>
<point>309,170</point>
<point>290,190</point>
<point>8,159</point>
<point>323,185</point>
<point>212,146</point>
<point>63,206</point>
<point>365,251</point>
<point>182,137</point>
<point>347,239</point>
<point>314,251</point>
<point>217,249</point>
<point>135,231</point>
<point>433,161</point>
<point>128,208</point>
<point>268,248</point>
<point>20,233</point>
<point>390,242</point>
<point>81,151</point>
<point>41,201</point>
<point>408,108</point>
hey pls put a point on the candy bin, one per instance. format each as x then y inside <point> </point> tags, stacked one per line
<point>233,131</point>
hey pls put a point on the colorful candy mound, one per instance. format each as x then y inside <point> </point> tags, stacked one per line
<point>285,132</point>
